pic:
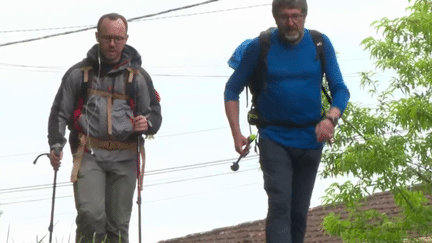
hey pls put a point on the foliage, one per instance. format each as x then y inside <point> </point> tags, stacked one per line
<point>388,148</point>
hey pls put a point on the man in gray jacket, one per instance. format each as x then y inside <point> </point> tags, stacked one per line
<point>107,101</point>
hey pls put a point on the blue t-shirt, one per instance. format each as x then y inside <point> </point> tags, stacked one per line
<point>293,92</point>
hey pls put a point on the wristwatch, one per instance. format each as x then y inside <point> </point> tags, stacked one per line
<point>334,120</point>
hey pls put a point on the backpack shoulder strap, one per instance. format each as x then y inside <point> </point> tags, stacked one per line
<point>82,95</point>
<point>319,45</point>
<point>265,42</point>
<point>130,87</point>
<point>259,81</point>
<point>131,75</point>
<point>86,85</point>
<point>86,70</point>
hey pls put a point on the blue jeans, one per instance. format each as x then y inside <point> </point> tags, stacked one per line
<point>289,178</point>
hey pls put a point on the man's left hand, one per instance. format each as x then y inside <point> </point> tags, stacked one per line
<point>324,130</point>
<point>140,123</point>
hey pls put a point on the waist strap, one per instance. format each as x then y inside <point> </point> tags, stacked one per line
<point>111,144</point>
<point>86,142</point>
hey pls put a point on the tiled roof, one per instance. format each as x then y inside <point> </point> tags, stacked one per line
<point>252,232</point>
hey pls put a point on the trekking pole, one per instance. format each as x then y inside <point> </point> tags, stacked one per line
<point>140,174</point>
<point>51,226</point>
<point>235,166</point>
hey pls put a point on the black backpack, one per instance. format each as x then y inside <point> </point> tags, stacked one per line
<point>258,82</point>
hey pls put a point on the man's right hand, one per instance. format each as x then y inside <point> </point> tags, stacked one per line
<point>55,160</point>
<point>241,145</point>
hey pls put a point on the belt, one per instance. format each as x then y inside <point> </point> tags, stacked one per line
<point>86,142</point>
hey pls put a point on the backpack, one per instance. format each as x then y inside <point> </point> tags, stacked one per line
<point>85,91</point>
<point>258,81</point>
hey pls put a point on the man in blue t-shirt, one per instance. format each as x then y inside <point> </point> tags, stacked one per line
<point>289,154</point>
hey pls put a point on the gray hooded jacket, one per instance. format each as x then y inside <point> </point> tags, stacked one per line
<point>94,115</point>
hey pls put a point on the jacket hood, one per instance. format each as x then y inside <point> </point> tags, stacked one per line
<point>129,55</point>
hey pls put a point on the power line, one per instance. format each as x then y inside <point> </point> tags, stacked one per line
<point>45,29</point>
<point>31,66</point>
<point>156,200</point>
<point>93,27</point>
<point>172,10</point>
<point>186,66</point>
<point>163,136</point>
<point>32,70</point>
<point>347,75</point>
<point>208,12</point>
<point>190,75</point>
<point>59,68</point>
<point>195,166</point>
<point>150,19</point>
<point>148,173</point>
<point>155,184</point>
<point>154,75</point>
<point>193,132</point>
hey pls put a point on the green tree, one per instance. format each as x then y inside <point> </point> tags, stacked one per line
<point>388,147</point>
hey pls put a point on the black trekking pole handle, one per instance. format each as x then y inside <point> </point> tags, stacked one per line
<point>57,152</point>
<point>235,166</point>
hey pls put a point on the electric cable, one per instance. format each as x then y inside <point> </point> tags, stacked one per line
<point>149,173</point>
<point>150,185</point>
<point>60,68</point>
<point>162,136</point>
<point>94,26</point>
<point>150,19</point>
<point>208,12</point>
<point>158,200</point>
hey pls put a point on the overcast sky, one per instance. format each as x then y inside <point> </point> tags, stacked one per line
<point>186,55</point>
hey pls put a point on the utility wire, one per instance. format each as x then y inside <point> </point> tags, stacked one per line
<point>155,184</point>
<point>209,12</point>
<point>31,66</point>
<point>348,75</point>
<point>152,201</point>
<point>193,132</point>
<point>46,69</point>
<point>162,136</point>
<point>195,166</point>
<point>149,173</point>
<point>60,68</point>
<point>190,75</point>
<point>150,19</point>
<point>45,29</point>
<point>32,70</point>
<point>172,10</point>
<point>94,26</point>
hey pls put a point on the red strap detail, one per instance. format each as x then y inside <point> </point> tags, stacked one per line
<point>132,105</point>
<point>77,114</point>
<point>157,96</point>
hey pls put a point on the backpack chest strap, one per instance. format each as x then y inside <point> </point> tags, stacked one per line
<point>107,94</point>
<point>110,96</point>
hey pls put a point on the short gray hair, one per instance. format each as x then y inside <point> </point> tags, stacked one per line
<point>277,4</point>
<point>112,16</point>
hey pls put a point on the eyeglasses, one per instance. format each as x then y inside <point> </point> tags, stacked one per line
<point>294,17</point>
<point>117,39</point>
